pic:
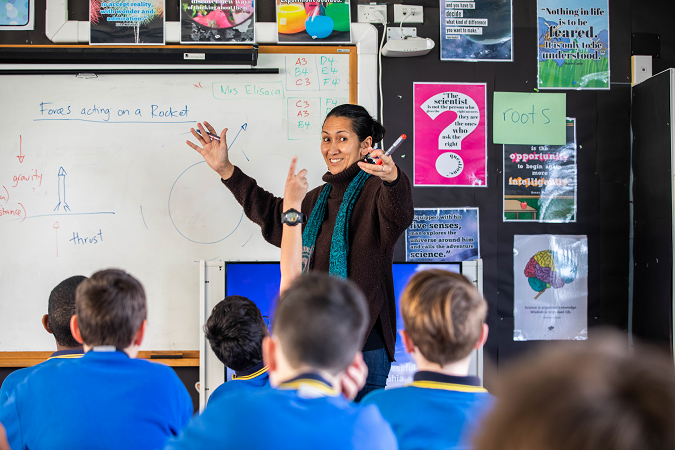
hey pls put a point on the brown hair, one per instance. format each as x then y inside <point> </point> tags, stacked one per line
<point>589,396</point>
<point>321,322</point>
<point>110,308</point>
<point>443,313</point>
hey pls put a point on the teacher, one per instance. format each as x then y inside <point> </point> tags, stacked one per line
<point>351,223</point>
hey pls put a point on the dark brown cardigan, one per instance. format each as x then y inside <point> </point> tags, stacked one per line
<point>381,214</point>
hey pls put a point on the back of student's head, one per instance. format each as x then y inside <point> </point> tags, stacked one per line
<point>61,308</point>
<point>585,396</point>
<point>443,313</point>
<point>235,331</point>
<point>321,322</point>
<point>110,307</point>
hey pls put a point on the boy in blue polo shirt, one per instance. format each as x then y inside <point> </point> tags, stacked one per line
<point>318,328</point>
<point>60,309</point>
<point>235,330</point>
<point>443,315</point>
<point>107,399</point>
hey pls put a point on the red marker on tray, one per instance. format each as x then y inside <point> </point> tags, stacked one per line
<point>391,150</point>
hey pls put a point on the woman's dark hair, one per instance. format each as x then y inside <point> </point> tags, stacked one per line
<point>362,122</point>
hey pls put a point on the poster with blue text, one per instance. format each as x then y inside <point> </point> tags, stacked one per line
<point>573,44</point>
<point>443,234</point>
<point>476,30</point>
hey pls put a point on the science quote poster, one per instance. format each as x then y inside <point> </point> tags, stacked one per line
<point>550,278</point>
<point>443,235</point>
<point>477,30</point>
<point>126,22</point>
<point>450,134</point>
<point>217,22</point>
<point>540,181</point>
<point>573,44</point>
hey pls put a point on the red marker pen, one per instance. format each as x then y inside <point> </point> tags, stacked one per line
<point>391,150</point>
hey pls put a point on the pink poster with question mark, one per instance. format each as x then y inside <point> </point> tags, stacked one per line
<point>450,134</point>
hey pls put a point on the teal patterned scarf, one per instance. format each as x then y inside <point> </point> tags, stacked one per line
<point>339,247</point>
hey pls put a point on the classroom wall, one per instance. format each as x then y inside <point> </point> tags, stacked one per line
<point>603,121</point>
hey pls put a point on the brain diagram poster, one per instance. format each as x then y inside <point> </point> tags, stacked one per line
<point>550,287</point>
<point>450,134</point>
<point>573,44</point>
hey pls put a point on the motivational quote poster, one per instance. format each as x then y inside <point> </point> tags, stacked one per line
<point>476,30</point>
<point>443,235</point>
<point>126,22</point>
<point>540,181</point>
<point>573,44</point>
<point>450,134</point>
<point>550,287</point>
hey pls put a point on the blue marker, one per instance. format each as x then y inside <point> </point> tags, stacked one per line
<point>214,136</point>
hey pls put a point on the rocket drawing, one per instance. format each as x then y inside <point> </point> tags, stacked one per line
<point>62,190</point>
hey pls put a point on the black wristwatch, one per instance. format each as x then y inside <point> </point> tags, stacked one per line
<point>293,217</point>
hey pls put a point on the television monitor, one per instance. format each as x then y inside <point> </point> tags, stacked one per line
<point>259,281</point>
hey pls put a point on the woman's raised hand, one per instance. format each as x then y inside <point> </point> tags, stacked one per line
<point>387,171</point>
<point>296,187</point>
<point>213,152</point>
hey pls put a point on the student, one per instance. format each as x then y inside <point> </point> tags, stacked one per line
<point>60,309</point>
<point>107,399</point>
<point>443,315</point>
<point>599,394</point>
<point>235,331</point>
<point>318,328</point>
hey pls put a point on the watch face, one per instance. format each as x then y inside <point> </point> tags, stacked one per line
<point>292,217</point>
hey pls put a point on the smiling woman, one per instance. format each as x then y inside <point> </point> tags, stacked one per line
<point>354,219</point>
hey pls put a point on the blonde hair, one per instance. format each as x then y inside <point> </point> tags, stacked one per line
<point>443,313</point>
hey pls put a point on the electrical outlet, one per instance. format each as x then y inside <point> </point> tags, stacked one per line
<point>394,33</point>
<point>402,12</point>
<point>367,13</point>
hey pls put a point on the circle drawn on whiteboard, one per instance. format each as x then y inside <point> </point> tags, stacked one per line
<point>449,165</point>
<point>198,211</point>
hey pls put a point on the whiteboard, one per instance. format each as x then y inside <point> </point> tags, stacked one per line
<point>95,173</point>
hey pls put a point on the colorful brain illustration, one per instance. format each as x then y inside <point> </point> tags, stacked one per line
<point>546,270</point>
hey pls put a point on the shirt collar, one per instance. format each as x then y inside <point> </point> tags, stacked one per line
<point>436,380</point>
<point>310,385</point>
<point>67,354</point>
<point>251,373</point>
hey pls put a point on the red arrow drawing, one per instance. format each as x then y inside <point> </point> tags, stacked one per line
<point>56,228</point>
<point>21,157</point>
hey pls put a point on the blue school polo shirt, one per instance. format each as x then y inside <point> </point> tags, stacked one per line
<point>104,400</point>
<point>435,411</point>
<point>303,413</point>
<point>18,376</point>
<point>255,377</point>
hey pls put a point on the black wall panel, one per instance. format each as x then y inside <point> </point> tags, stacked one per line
<point>603,131</point>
